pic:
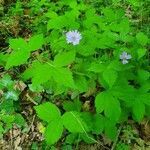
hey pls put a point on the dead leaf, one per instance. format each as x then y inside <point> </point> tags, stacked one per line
<point>20,85</point>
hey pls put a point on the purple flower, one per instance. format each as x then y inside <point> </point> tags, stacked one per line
<point>73,37</point>
<point>125,57</point>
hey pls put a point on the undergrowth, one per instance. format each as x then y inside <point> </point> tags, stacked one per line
<point>83,66</point>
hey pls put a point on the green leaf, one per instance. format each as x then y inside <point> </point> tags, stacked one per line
<point>72,106</point>
<point>98,124</point>
<point>1,130</point>
<point>141,52</point>
<point>21,50</point>
<point>110,76</point>
<point>143,75</point>
<point>87,46</point>
<point>39,72</point>
<point>145,87</point>
<point>107,103</point>
<point>7,119</point>
<point>81,83</point>
<point>6,81</point>
<point>88,139</point>
<point>64,59</point>
<point>142,38</point>
<point>11,95</point>
<point>3,59</point>
<point>8,106</point>
<point>97,68</point>
<point>124,26</point>
<point>116,1</point>
<point>71,138</point>
<point>42,74</point>
<point>47,111</point>
<point>28,73</point>
<point>88,119</point>
<point>17,58</point>
<point>109,14</point>
<point>56,23</point>
<point>36,42</point>
<point>145,98</point>
<point>73,122</point>
<point>138,110</point>
<point>19,120</point>
<point>18,44</point>
<point>54,131</point>
<point>110,129</point>
<point>63,76</point>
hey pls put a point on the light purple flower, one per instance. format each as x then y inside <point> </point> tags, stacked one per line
<point>125,57</point>
<point>73,37</point>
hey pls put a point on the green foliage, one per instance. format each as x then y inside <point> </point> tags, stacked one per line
<point>21,50</point>
<point>54,131</point>
<point>138,110</point>
<point>142,38</point>
<point>110,129</point>
<point>94,84</point>
<point>43,72</point>
<point>110,76</point>
<point>107,103</point>
<point>7,121</point>
<point>72,106</point>
<point>47,112</point>
<point>8,93</point>
<point>73,122</point>
<point>64,59</point>
<point>122,146</point>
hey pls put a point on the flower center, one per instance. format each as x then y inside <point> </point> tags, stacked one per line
<point>73,38</point>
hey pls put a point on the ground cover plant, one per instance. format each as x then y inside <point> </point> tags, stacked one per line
<point>75,74</point>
